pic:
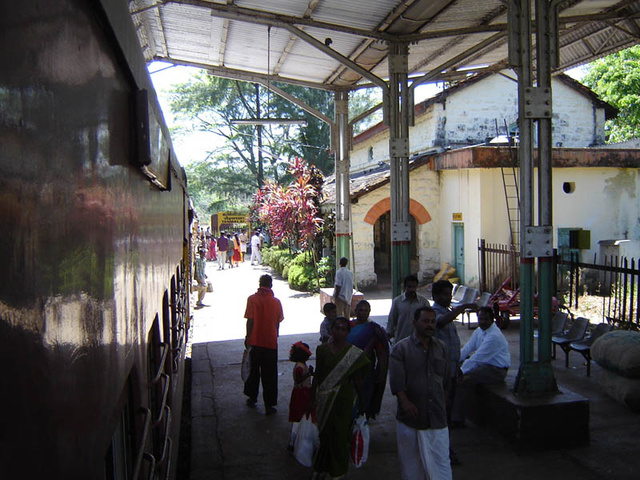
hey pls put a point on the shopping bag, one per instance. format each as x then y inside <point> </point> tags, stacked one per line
<point>360,442</point>
<point>307,440</point>
<point>245,369</point>
<point>209,287</point>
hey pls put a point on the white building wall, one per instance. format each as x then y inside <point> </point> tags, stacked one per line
<point>425,189</point>
<point>605,201</point>
<point>422,136</point>
<point>461,194</point>
<point>360,153</point>
<point>363,240</point>
<point>577,123</point>
<point>472,112</point>
<point>469,117</point>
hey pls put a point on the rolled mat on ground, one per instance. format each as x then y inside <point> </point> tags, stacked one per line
<point>618,353</point>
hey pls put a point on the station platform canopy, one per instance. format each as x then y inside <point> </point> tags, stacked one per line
<point>345,44</point>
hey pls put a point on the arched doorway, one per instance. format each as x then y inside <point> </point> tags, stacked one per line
<point>379,216</point>
<point>382,247</point>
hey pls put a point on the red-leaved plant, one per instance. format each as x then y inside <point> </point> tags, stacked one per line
<point>291,212</point>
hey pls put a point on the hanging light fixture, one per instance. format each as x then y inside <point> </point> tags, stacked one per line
<point>268,120</point>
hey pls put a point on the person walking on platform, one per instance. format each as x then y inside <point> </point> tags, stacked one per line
<point>200,277</point>
<point>446,331</point>
<point>255,247</point>
<point>243,243</point>
<point>403,307</point>
<point>263,314</point>
<point>223,245</point>
<point>343,289</point>
<point>419,378</point>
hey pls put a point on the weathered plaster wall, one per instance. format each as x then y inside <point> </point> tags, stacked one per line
<point>360,153</point>
<point>605,201</point>
<point>461,194</point>
<point>363,241</point>
<point>473,111</point>
<point>577,123</point>
<point>422,136</point>
<point>424,188</point>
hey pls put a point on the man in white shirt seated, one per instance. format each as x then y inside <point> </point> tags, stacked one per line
<point>486,360</point>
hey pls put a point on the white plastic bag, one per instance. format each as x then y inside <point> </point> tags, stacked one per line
<point>307,440</point>
<point>360,442</point>
<point>245,370</point>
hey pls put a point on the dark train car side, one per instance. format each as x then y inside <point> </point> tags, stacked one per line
<point>94,250</point>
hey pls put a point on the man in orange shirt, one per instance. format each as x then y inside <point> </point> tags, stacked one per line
<point>263,314</point>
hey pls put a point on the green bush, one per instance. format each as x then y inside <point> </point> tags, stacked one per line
<point>277,258</point>
<point>302,275</point>
<point>327,271</point>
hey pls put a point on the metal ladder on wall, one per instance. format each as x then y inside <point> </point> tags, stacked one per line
<point>512,194</point>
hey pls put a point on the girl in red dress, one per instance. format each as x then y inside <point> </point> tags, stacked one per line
<point>301,392</point>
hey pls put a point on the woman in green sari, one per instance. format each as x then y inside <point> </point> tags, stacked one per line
<point>339,371</point>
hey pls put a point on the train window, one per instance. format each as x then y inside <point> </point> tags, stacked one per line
<point>118,462</point>
<point>154,360</point>
<point>166,328</point>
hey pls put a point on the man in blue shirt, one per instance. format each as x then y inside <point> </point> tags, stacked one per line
<point>486,360</point>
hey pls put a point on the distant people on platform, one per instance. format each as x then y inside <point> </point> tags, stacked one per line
<point>441,292</point>
<point>255,247</point>
<point>371,337</point>
<point>301,393</point>
<point>244,240</point>
<point>343,289</point>
<point>199,276</point>
<point>237,255</point>
<point>211,248</point>
<point>419,378</point>
<point>340,368</point>
<point>400,321</point>
<point>222,245</point>
<point>486,360</point>
<point>230,247</point>
<point>263,314</point>
<point>330,313</point>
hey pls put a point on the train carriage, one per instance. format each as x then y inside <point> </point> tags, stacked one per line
<point>94,250</point>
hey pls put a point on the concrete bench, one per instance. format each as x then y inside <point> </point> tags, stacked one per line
<point>536,421</point>
<point>325,297</point>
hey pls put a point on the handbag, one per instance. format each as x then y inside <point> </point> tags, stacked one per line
<point>245,368</point>
<point>307,440</point>
<point>360,442</point>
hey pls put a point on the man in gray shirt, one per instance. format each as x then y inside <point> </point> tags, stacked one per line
<point>403,307</point>
<point>419,378</point>
<point>446,331</point>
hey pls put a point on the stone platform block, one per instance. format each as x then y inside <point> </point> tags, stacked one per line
<point>325,297</point>
<point>534,422</point>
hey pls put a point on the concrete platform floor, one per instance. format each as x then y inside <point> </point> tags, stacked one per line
<point>230,441</point>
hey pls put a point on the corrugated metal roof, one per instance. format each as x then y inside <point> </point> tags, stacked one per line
<point>249,38</point>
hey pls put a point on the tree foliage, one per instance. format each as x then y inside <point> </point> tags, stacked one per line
<point>234,167</point>
<point>616,79</point>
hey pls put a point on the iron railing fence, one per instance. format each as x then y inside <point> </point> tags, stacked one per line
<point>497,262</point>
<point>615,280</point>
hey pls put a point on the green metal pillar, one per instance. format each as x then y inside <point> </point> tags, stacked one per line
<point>534,104</point>
<point>397,115</point>
<point>343,193</point>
